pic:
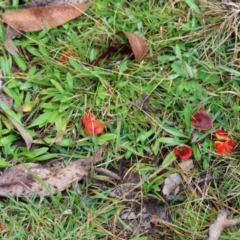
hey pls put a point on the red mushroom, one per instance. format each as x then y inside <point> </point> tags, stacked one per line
<point>223,148</point>
<point>183,151</point>
<point>201,120</point>
<point>94,127</point>
<point>87,117</point>
<point>221,134</point>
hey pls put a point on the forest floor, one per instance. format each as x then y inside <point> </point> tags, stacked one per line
<point>147,108</point>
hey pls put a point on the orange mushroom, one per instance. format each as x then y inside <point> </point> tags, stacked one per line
<point>223,148</point>
<point>221,134</point>
<point>202,121</point>
<point>94,127</point>
<point>183,151</point>
<point>87,117</point>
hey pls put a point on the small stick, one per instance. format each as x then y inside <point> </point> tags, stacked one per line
<point>220,224</point>
<point>107,173</point>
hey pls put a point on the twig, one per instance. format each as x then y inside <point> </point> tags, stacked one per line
<point>220,224</point>
<point>108,173</point>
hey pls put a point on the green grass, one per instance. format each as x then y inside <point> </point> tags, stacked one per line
<point>186,69</point>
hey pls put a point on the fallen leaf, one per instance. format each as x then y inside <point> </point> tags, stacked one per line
<point>138,47</point>
<point>9,44</point>
<point>187,166</point>
<point>37,3</point>
<point>171,184</point>
<point>36,179</point>
<point>138,44</point>
<point>112,50</point>
<point>38,18</point>
<point>24,134</point>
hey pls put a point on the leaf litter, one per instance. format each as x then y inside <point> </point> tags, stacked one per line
<point>38,18</point>
<point>30,179</point>
<point>137,47</point>
<point>11,33</point>
<point>41,3</point>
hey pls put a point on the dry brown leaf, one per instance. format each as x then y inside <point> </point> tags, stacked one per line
<point>36,179</point>
<point>36,19</point>
<point>187,166</point>
<point>10,47</point>
<point>37,3</point>
<point>11,33</point>
<point>138,44</point>
<point>171,184</point>
<point>25,135</point>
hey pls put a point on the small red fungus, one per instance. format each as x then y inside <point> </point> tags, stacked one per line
<point>88,117</point>
<point>221,134</point>
<point>223,148</point>
<point>183,151</point>
<point>65,56</point>
<point>201,120</point>
<point>94,127</point>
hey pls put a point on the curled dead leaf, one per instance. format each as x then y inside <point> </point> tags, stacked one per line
<point>38,18</point>
<point>36,179</point>
<point>171,184</point>
<point>138,44</point>
<point>9,44</point>
<point>25,135</point>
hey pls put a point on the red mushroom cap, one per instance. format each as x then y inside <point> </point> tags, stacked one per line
<point>88,117</point>
<point>183,151</point>
<point>94,127</point>
<point>221,134</point>
<point>223,148</point>
<point>202,121</point>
